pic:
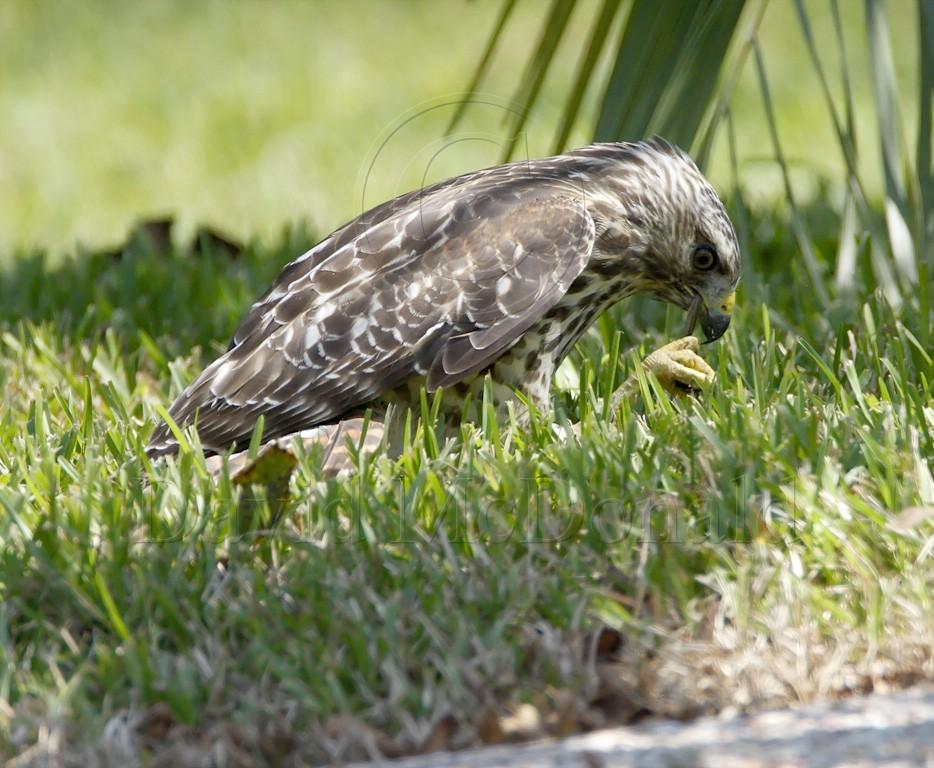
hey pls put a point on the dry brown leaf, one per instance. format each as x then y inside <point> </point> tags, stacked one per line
<point>156,722</point>
<point>439,739</point>
<point>272,466</point>
<point>617,700</point>
<point>609,641</point>
<point>489,730</point>
<point>355,733</point>
<point>276,459</point>
<point>562,720</point>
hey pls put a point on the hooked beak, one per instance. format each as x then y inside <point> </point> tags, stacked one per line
<point>713,322</point>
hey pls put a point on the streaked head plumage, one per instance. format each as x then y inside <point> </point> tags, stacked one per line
<point>661,217</point>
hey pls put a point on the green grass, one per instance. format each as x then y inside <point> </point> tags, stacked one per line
<point>767,543</point>
<point>743,543</point>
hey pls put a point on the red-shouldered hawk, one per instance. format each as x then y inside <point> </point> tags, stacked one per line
<point>497,271</point>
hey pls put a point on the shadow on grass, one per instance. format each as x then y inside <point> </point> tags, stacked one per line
<point>181,297</point>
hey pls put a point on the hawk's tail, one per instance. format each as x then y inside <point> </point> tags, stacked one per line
<point>162,442</point>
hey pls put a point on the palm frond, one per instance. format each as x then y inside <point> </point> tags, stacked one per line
<point>671,67</point>
<point>585,72</point>
<point>534,76</point>
<point>484,63</point>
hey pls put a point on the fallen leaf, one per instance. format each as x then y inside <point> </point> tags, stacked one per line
<point>439,739</point>
<point>355,733</point>
<point>489,730</point>
<point>562,719</point>
<point>609,641</point>
<point>156,722</point>
<point>272,465</point>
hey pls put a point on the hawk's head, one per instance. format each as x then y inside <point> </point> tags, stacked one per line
<point>671,230</point>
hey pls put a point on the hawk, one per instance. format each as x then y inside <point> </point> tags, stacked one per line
<point>498,271</point>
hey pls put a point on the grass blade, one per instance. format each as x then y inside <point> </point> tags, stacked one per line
<point>925,167</point>
<point>689,95</point>
<point>644,66</point>
<point>531,83</point>
<point>483,64</point>
<point>805,242</point>
<point>925,159</point>
<point>845,73</point>
<point>726,90</point>
<point>598,38</point>
<point>882,70</point>
<point>845,278</point>
<point>846,138</point>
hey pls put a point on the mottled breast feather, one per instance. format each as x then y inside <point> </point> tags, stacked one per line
<point>437,283</point>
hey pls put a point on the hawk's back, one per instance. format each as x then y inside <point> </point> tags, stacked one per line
<point>434,286</point>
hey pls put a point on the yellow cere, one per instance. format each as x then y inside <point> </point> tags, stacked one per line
<point>728,303</point>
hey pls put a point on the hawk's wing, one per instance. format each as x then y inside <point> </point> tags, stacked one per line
<point>439,285</point>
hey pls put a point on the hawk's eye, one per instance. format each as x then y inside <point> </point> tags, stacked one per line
<point>705,258</point>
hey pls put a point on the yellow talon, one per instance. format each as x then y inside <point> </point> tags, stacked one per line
<point>678,367</point>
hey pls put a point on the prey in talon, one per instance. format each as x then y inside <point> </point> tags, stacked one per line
<point>713,323</point>
<point>493,273</point>
<point>678,366</point>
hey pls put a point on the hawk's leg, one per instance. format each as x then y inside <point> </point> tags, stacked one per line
<point>677,366</point>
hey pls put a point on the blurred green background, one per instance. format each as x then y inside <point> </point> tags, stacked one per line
<point>251,114</point>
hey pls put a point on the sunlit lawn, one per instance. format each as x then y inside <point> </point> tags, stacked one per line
<point>767,543</point>
<point>747,545</point>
